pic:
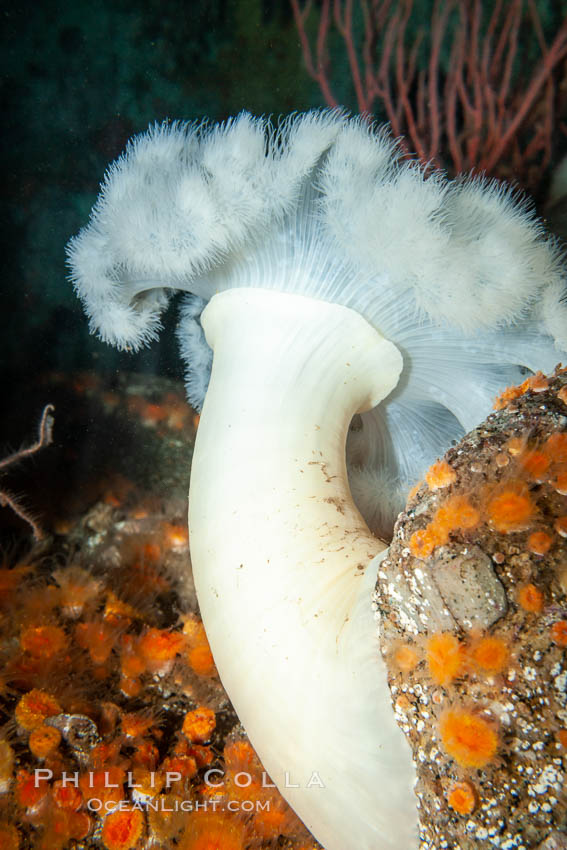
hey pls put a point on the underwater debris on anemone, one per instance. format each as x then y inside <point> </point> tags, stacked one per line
<point>482,610</point>
<point>121,694</point>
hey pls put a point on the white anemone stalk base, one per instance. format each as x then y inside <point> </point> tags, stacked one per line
<point>284,564</point>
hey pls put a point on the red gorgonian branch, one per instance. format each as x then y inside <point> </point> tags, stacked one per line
<point>489,107</point>
<point>44,438</point>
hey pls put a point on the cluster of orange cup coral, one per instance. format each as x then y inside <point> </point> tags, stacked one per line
<point>537,383</point>
<point>448,657</point>
<point>467,737</point>
<point>104,738</point>
<point>507,505</point>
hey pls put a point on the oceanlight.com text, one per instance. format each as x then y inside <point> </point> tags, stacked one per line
<point>160,804</point>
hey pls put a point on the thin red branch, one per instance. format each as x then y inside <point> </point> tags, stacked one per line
<point>439,23</point>
<point>318,74</point>
<point>344,26</point>
<point>556,53</point>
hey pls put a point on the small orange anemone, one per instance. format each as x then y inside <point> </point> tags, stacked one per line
<point>76,589</point>
<point>9,837</point>
<point>136,724</point>
<point>511,508</point>
<point>506,396</point>
<point>423,542</point>
<point>556,447</point>
<point>148,782</point>
<point>539,542</point>
<point>440,475</point>
<point>44,740</point>
<point>535,464</point>
<point>405,658</point>
<point>34,707</point>
<point>66,796</point>
<point>201,661</point>
<point>122,829</point>
<point>199,655</point>
<point>199,724</point>
<point>538,383</point>
<point>444,657</point>
<point>117,611</point>
<point>130,687</point>
<point>530,598</point>
<point>160,645</point>
<point>240,756</point>
<point>105,786</point>
<point>213,831</point>
<point>43,641</point>
<point>98,638</point>
<point>560,482</point>
<point>490,654</point>
<point>468,738</point>
<point>132,663</point>
<point>146,755</point>
<point>462,798</point>
<point>28,791</point>
<point>559,633</point>
<point>184,765</point>
<point>457,513</point>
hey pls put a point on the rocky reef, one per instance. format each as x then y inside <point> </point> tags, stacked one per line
<point>472,600</point>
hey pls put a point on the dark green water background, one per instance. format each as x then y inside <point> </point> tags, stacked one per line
<point>77,80</point>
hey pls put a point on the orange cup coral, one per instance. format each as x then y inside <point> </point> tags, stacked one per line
<point>469,739</point>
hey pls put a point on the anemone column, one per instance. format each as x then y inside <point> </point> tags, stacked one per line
<point>281,559</point>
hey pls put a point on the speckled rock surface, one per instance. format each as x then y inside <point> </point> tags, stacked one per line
<point>473,604</point>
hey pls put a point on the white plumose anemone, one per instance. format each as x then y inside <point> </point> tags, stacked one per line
<point>330,278</point>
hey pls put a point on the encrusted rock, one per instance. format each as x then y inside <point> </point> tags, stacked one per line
<point>472,599</point>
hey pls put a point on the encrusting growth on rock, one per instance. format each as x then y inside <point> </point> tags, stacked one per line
<point>121,710</point>
<point>477,599</point>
